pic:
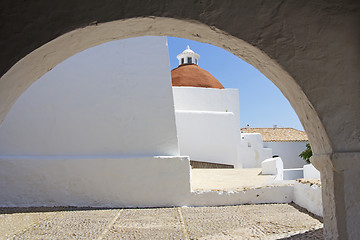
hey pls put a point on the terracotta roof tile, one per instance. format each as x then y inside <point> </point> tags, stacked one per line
<point>191,75</point>
<point>278,134</point>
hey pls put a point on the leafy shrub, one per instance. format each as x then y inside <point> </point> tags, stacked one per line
<point>306,154</point>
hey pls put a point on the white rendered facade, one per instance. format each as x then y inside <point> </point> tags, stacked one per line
<point>208,125</point>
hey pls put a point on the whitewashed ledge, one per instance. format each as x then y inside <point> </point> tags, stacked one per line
<point>304,192</point>
<point>282,193</point>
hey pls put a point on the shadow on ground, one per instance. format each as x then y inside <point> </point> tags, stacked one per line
<point>312,234</point>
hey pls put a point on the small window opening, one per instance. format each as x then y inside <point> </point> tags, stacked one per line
<point>182,61</point>
<point>195,61</point>
<point>189,60</point>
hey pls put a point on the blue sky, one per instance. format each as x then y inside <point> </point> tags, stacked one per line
<point>261,102</point>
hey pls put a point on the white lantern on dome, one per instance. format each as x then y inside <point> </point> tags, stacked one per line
<point>188,56</point>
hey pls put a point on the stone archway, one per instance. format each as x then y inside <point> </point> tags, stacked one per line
<point>289,43</point>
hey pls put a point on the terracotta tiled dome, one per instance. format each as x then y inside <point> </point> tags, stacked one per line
<point>191,75</point>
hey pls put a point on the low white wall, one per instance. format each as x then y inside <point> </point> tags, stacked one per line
<point>293,173</point>
<point>103,103</point>
<point>251,150</point>
<point>208,136</point>
<point>308,196</point>
<point>311,172</point>
<point>268,194</point>
<point>273,166</point>
<point>103,181</point>
<point>208,99</point>
<point>289,152</point>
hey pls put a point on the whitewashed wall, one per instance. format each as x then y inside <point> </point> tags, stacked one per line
<point>252,152</point>
<point>289,152</point>
<point>308,196</point>
<point>311,172</point>
<point>208,99</point>
<point>107,103</point>
<point>208,136</point>
<point>103,181</point>
<point>86,133</point>
<point>273,166</point>
<point>208,124</point>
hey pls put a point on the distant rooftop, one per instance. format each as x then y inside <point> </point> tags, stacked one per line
<point>278,134</point>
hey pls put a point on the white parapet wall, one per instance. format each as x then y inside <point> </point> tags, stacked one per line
<point>308,195</point>
<point>293,173</point>
<point>103,181</point>
<point>267,194</point>
<point>208,136</point>
<point>311,172</point>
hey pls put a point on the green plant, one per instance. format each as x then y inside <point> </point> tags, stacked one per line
<point>306,154</point>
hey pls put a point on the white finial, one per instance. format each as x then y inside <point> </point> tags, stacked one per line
<point>188,56</point>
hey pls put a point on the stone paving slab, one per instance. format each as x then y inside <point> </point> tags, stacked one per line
<point>19,222</point>
<point>246,221</point>
<point>262,221</point>
<point>158,223</point>
<point>85,224</point>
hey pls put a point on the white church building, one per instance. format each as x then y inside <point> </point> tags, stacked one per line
<point>208,119</point>
<point>121,136</point>
<point>207,115</point>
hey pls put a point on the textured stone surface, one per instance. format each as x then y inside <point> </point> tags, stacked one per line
<point>71,225</point>
<point>246,221</point>
<point>158,223</point>
<point>267,221</point>
<point>20,222</point>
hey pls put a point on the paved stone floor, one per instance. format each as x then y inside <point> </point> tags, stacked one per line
<point>263,221</point>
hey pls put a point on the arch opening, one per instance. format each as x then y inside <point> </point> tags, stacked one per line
<point>215,154</point>
<point>240,186</point>
<point>56,51</point>
<point>43,59</point>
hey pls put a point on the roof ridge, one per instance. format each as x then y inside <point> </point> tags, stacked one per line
<point>286,134</point>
